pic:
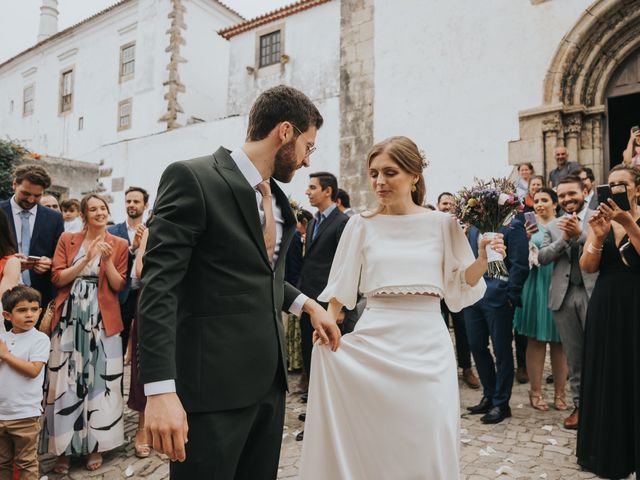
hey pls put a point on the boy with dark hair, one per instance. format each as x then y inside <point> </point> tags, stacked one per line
<point>23,353</point>
<point>70,209</point>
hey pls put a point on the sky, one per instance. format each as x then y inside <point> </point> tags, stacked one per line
<point>20,18</point>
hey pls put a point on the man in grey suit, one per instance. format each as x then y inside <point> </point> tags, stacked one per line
<point>570,287</point>
<point>211,340</point>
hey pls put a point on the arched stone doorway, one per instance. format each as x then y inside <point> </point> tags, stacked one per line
<point>584,74</point>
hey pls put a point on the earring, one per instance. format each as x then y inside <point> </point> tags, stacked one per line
<point>414,188</point>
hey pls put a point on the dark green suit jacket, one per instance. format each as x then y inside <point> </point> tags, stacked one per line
<point>210,302</point>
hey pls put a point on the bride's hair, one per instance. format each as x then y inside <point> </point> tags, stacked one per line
<point>405,153</point>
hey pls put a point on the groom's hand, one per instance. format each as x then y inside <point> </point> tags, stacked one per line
<point>166,424</point>
<point>324,325</point>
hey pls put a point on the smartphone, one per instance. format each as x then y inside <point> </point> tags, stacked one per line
<point>619,195</point>
<point>616,192</point>
<point>530,217</point>
<point>33,258</point>
<point>604,193</point>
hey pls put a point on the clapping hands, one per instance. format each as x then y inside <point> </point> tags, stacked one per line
<point>570,226</point>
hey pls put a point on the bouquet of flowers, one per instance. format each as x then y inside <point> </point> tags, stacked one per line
<point>488,206</point>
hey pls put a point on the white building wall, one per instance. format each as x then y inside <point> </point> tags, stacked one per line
<point>93,49</point>
<point>312,42</point>
<point>205,73</point>
<point>141,161</point>
<point>452,75</point>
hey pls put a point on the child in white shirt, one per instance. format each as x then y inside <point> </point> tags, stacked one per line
<point>24,351</point>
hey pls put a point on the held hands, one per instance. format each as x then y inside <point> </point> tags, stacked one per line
<point>165,422</point>
<point>325,328</point>
<point>570,226</point>
<point>496,243</point>
<point>43,265</point>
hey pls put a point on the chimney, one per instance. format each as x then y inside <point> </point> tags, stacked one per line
<point>48,19</point>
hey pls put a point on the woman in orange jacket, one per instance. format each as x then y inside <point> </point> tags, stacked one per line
<point>83,391</point>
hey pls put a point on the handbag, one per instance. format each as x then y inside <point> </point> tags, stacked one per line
<point>47,318</point>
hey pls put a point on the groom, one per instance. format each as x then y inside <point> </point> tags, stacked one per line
<point>212,348</point>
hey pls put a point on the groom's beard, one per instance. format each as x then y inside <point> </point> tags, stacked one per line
<point>285,164</point>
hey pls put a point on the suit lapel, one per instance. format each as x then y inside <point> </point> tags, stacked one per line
<point>289,221</point>
<point>244,194</point>
<point>323,226</point>
<point>37,226</point>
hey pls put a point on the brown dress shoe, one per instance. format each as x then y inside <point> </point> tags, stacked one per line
<point>521,375</point>
<point>470,378</point>
<point>572,421</point>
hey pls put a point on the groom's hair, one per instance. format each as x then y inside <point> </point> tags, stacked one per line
<point>281,104</point>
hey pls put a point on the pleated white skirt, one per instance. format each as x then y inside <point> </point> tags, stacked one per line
<point>386,404</point>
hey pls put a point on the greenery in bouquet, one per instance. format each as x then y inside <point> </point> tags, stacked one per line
<point>488,205</point>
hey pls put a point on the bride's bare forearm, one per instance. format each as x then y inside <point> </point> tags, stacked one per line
<point>475,271</point>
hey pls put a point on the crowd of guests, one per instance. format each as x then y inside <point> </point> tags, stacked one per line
<point>573,283</point>
<point>69,285</point>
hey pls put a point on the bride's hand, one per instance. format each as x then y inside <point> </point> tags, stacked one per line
<point>497,245</point>
<point>325,328</point>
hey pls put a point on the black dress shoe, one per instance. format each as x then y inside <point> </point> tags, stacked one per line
<point>300,436</point>
<point>483,407</point>
<point>496,415</point>
<point>302,417</point>
<point>549,379</point>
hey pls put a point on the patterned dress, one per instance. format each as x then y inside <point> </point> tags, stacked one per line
<point>83,389</point>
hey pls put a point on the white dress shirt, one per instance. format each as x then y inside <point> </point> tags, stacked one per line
<point>253,177</point>
<point>17,221</point>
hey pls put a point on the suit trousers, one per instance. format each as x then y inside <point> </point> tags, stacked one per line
<point>484,322</point>
<point>239,444</point>
<point>570,321</point>
<point>460,332</point>
<point>306,341</point>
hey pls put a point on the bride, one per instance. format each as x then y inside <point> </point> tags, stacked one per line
<point>385,405</point>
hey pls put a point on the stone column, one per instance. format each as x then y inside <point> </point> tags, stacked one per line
<point>572,129</point>
<point>356,98</point>
<point>550,128</point>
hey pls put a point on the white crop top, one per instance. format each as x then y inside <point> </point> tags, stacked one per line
<point>400,254</point>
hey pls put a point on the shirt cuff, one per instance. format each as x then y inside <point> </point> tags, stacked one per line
<point>298,303</point>
<point>157,388</point>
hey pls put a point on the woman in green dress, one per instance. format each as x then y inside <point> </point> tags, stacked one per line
<point>534,319</point>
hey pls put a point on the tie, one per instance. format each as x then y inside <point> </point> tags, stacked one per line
<point>575,277</point>
<point>319,218</point>
<point>269,227</point>
<point>25,241</point>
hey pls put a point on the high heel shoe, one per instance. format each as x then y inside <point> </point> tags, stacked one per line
<point>537,402</point>
<point>560,402</point>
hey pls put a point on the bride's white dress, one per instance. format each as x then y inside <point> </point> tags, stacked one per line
<point>386,405</point>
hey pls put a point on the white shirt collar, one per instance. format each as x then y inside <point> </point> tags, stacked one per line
<point>583,212</point>
<point>16,209</point>
<point>247,168</point>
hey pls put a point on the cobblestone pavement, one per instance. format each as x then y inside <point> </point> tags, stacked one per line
<point>530,445</point>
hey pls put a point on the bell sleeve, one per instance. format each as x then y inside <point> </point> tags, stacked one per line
<point>347,264</point>
<point>457,257</point>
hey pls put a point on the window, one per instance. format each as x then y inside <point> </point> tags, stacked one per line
<point>28,100</point>
<point>80,123</point>
<point>127,61</point>
<point>66,91</point>
<point>270,49</point>
<point>124,114</point>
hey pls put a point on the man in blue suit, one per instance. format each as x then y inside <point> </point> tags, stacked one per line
<point>492,317</point>
<point>36,229</point>
<point>136,202</point>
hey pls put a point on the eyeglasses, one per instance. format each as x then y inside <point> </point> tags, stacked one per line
<point>310,146</point>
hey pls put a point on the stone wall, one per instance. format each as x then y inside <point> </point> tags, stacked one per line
<point>356,97</point>
<point>70,178</point>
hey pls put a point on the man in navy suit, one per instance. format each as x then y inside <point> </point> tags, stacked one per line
<point>136,201</point>
<point>492,317</point>
<point>36,228</point>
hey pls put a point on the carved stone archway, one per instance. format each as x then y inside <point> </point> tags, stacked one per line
<point>574,95</point>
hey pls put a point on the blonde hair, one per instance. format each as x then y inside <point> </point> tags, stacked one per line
<point>405,153</point>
